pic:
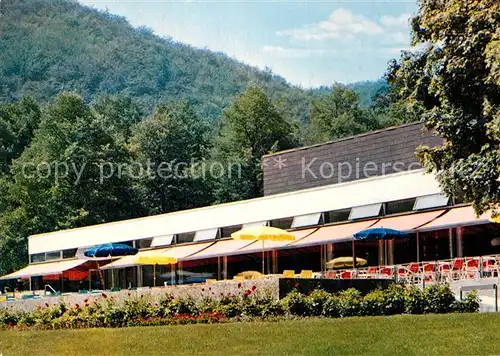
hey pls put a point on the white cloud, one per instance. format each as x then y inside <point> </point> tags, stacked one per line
<point>402,20</point>
<point>340,23</point>
<point>283,52</point>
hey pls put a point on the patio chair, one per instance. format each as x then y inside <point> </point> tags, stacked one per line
<point>288,273</point>
<point>429,272</point>
<point>346,275</point>
<point>385,272</point>
<point>457,268</point>
<point>471,269</point>
<point>306,273</point>
<point>331,275</point>
<point>445,270</point>
<point>372,272</point>
<point>414,272</point>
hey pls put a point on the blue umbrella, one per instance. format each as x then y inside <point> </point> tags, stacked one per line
<point>110,250</point>
<point>379,233</point>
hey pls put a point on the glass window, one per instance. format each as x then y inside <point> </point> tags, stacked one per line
<point>209,234</point>
<point>285,223</point>
<point>228,230</point>
<point>55,255</point>
<point>69,253</point>
<point>365,211</point>
<point>306,220</point>
<point>162,240</point>
<point>37,257</point>
<point>185,237</point>
<point>337,216</point>
<point>399,206</point>
<point>431,201</point>
<point>143,243</point>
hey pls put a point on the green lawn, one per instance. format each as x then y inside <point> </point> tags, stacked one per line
<point>408,335</point>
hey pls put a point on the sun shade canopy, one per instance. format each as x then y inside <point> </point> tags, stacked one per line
<point>408,222</point>
<point>43,269</point>
<point>462,216</point>
<point>220,248</point>
<point>332,234</point>
<point>177,252</point>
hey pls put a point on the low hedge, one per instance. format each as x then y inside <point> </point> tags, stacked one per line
<point>134,311</point>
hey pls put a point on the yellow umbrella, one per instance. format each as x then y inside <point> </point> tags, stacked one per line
<point>153,258</point>
<point>263,233</point>
<point>496,219</point>
<point>340,262</point>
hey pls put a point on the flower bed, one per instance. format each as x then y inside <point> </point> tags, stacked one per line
<point>247,304</point>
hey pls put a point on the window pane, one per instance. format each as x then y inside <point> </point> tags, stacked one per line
<point>185,237</point>
<point>306,220</point>
<point>399,206</point>
<point>162,240</point>
<point>365,211</point>
<point>69,253</point>
<point>337,216</point>
<point>209,234</point>
<point>285,223</point>
<point>254,224</point>
<point>228,230</point>
<point>37,257</point>
<point>143,243</point>
<point>431,201</point>
<point>55,255</point>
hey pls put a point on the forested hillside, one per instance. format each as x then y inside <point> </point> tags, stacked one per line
<point>88,104</point>
<point>47,46</point>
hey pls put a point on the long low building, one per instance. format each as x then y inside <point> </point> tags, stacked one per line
<point>322,217</point>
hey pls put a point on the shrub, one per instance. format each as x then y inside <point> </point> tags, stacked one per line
<point>470,304</point>
<point>349,302</point>
<point>439,299</point>
<point>296,303</point>
<point>317,301</point>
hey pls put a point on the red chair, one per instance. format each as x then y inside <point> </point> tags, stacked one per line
<point>385,272</point>
<point>472,268</point>
<point>346,275</point>
<point>429,270</point>
<point>457,268</point>
<point>372,272</point>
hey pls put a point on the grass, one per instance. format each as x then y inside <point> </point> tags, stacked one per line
<point>405,334</point>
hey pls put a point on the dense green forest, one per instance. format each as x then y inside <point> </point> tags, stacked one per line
<point>101,122</point>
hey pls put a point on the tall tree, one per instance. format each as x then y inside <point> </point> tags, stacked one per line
<point>250,128</point>
<point>18,120</point>
<point>454,83</point>
<point>337,115</point>
<point>67,177</point>
<point>171,143</point>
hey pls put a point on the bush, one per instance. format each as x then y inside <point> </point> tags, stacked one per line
<point>397,299</point>
<point>296,303</point>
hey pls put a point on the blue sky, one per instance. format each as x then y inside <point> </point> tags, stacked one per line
<point>310,43</point>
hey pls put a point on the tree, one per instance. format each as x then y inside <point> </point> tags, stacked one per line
<point>18,121</point>
<point>67,177</point>
<point>454,83</point>
<point>171,143</point>
<point>338,115</point>
<point>249,129</point>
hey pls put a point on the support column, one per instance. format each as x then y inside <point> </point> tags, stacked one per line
<point>219,268</point>
<point>418,246</point>
<point>224,267</point>
<point>460,246</point>
<point>181,274</point>
<point>275,262</point>
<point>390,252</point>
<point>329,252</point>
<point>381,258</point>
<point>139,276</point>
<point>450,242</point>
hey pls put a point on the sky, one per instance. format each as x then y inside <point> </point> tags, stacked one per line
<point>308,42</point>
